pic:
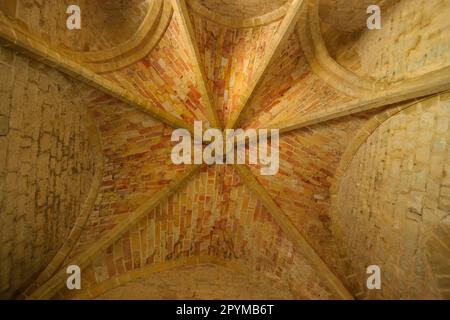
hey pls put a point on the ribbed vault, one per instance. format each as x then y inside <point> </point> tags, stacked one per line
<point>300,66</point>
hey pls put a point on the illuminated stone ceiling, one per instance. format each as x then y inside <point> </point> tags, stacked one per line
<point>307,68</point>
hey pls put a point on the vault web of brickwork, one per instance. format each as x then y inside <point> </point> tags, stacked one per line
<point>270,75</point>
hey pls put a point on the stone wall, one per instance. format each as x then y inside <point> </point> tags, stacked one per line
<point>414,40</point>
<point>392,206</point>
<point>47,164</point>
<point>349,15</point>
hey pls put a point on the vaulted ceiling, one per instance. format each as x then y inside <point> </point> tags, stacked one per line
<point>144,67</point>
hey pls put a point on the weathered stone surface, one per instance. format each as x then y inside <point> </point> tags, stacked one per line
<point>390,214</point>
<point>38,204</point>
<point>4,125</point>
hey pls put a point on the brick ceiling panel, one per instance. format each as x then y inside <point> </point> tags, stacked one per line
<point>250,236</point>
<point>137,164</point>
<point>182,226</point>
<point>165,77</point>
<point>308,160</point>
<point>291,90</point>
<point>214,215</point>
<point>231,57</point>
<point>255,239</point>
